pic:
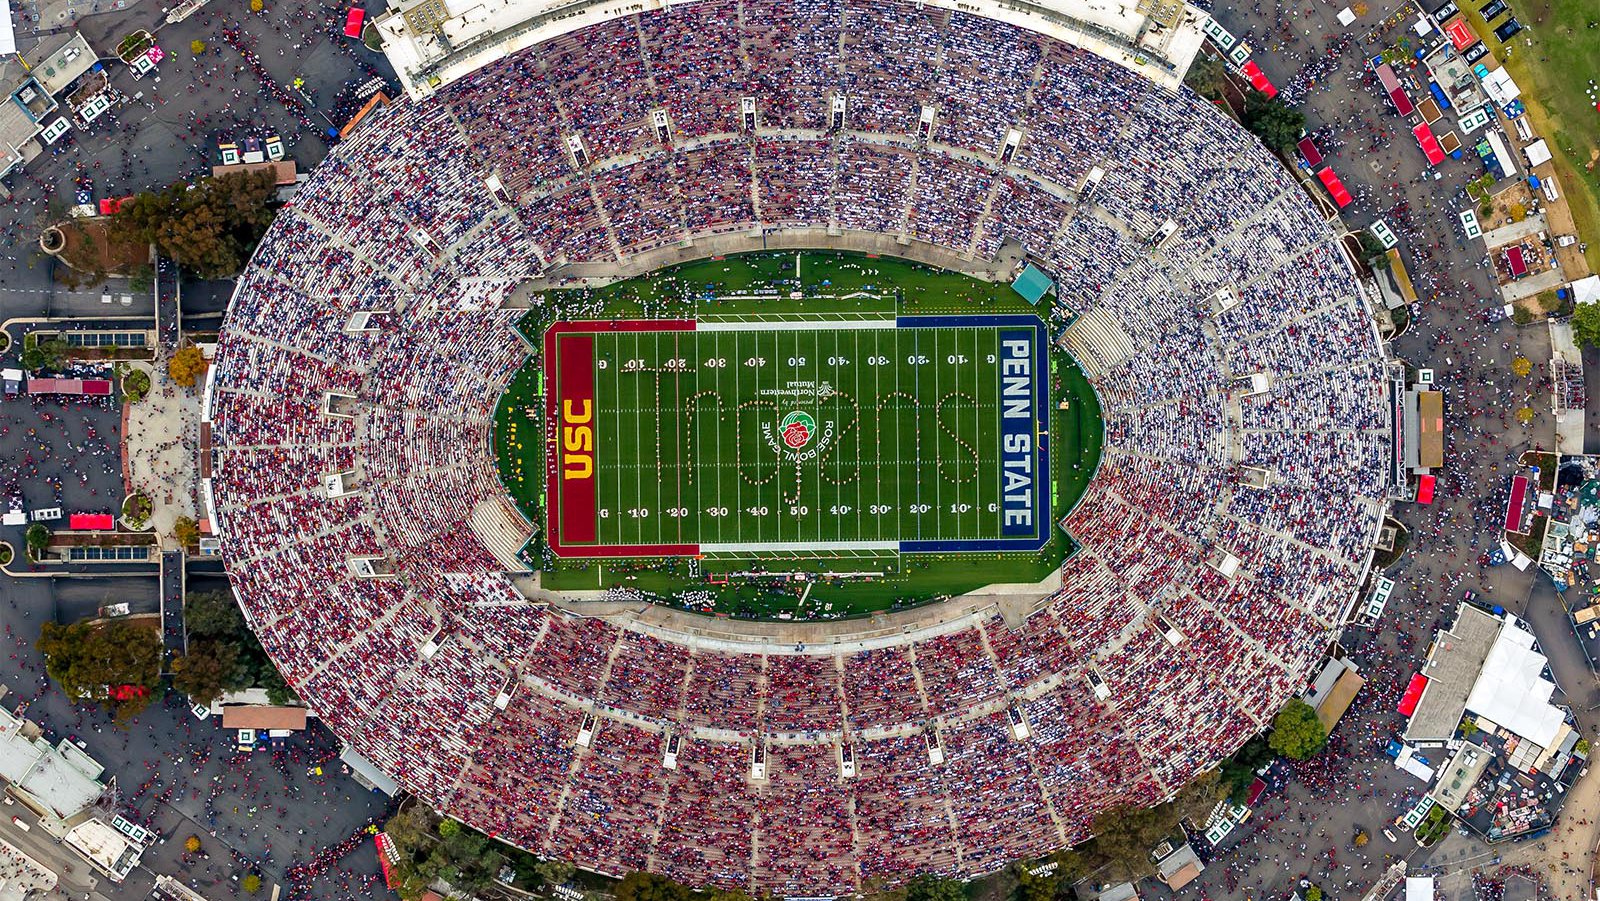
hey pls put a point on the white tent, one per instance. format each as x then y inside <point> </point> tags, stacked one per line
<point>1512,691</point>
<point>1419,888</point>
<point>1500,88</point>
<point>1538,152</point>
<point>8,37</point>
<point>1586,289</point>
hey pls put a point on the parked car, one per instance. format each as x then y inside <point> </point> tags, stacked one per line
<point>1505,31</point>
<point>1493,10</point>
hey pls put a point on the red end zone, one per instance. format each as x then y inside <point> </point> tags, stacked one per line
<point>571,430</point>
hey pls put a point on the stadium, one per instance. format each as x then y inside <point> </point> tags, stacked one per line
<point>501,320</point>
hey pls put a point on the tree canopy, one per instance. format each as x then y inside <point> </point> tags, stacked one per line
<point>209,669</point>
<point>927,887</point>
<point>650,887</point>
<point>227,655</point>
<point>186,366</point>
<point>1125,835</point>
<point>1296,731</point>
<point>1277,124</point>
<point>210,228</point>
<point>117,662</point>
<point>1586,324</point>
<point>1239,771</point>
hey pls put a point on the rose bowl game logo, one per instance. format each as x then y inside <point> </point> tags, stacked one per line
<point>797,429</point>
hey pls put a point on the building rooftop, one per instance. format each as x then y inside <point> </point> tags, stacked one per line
<point>60,780</point>
<point>1452,667</point>
<point>251,716</point>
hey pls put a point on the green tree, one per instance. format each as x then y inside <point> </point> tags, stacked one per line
<point>142,279</point>
<point>210,229</point>
<point>37,538</point>
<point>1296,731</point>
<point>1207,77</point>
<point>251,883</point>
<point>118,662</point>
<point>927,887</point>
<point>1239,771</point>
<point>212,614</point>
<point>209,670</point>
<point>1586,324</point>
<point>1277,124</point>
<point>557,872</point>
<point>643,886</point>
<point>197,46</point>
<point>37,355</point>
<point>1031,887</point>
<point>1370,245</point>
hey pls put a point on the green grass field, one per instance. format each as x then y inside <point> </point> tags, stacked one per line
<point>894,434</point>
<point>901,443</point>
<point>1553,60</point>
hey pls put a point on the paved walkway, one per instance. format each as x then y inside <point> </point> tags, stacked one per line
<point>162,434</point>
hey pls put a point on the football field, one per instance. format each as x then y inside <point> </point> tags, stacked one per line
<point>732,436</point>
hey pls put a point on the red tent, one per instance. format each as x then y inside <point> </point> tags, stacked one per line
<point>352,22</point>
<point>1408,702</point>
<point>1430,144</point>
<point>1425,488</point>
<point>1519,487</point>
<point>1461,36</point>
<point>1308,150</point>
<point>92,522</point>
<point>1397,94</point>
<point>1518,265</point>
<point>1335,187</point>
<point>1258,78</point>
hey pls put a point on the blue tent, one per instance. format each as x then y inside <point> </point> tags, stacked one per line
<point>1032,283</point>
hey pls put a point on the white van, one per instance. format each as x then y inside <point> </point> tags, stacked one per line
<point>45,514</point>
<point>1549,186</point>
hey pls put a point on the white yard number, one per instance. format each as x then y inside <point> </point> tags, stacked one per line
<point>677,512</point>
<point>722,363</point>
<point>838,361</point>
<point>676,364</point>
<point>877,361</point>
<point>601,364</point>
<point>756,511</point>
<point>956,358</point>
<point>633,365</point>
<point>878,509</point>
<point>797,361</point>
<point>604,513</point>
<point>717,511</point>
<point>960,508</point>
<point>639,512</point>
<point>916,359</point>
<point>840,509</point>
<point>756,362</point>
<point>797,511</point>
<point>921,508</point>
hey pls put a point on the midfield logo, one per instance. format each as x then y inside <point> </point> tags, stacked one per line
<point>797,429</point>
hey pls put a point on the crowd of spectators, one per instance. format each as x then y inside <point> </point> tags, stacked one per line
<point>434,667</point>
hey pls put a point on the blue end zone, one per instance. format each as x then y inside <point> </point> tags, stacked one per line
<point>1036,534</point>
